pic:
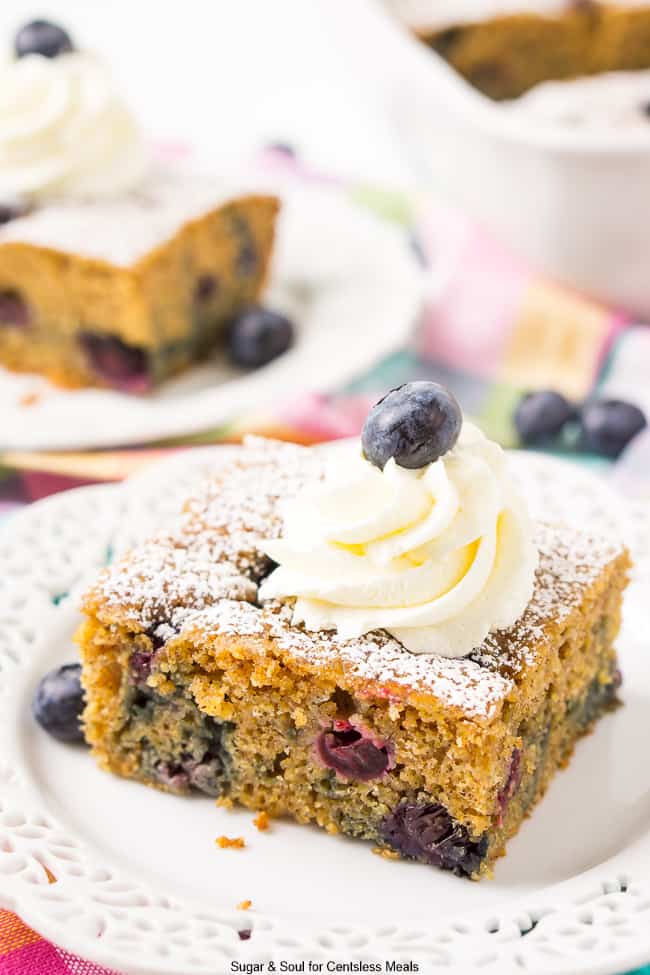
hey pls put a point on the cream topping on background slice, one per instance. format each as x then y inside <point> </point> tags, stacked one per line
<point>439,557</point>
<point>65,131</point>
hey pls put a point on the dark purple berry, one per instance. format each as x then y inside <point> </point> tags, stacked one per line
<point>283,149</point>
<point>205,775</point>
<point>116,363</point>
<point>12,209</point>
<point>14,313</point>
<point>42,37</point>
<point>416,424</point>
<point>351,755</point>
<point>140,666</point>
<point>541,416</point>
<point>58,703</point>
<point>245,934</point>
<point>258,335</point>
<point>205,288</point>
<point>510,786</point>
<point>608,425</point>
<point>427,833</point>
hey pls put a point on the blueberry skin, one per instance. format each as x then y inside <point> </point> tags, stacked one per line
<point>416,424</point>
<point>608,425</point>
<point>58,703</point>
<point>258,335</point>
<point>426,832</point>
<point>42,37</point>
<point>541,416</point>
<point>351,755</point>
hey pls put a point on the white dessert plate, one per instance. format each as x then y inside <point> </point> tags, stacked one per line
<point>347,278</point>
<point>140,886</point>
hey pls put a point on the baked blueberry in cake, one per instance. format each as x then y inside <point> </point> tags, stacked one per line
<point>116,269</point>
<point>377,639</point>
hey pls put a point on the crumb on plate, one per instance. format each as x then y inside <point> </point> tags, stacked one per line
<point>230,843</point>
<point>244,905</point>
<point>382,851</point>
<point>262,821</point>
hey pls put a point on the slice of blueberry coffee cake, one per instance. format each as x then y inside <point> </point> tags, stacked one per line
<point>376,640</point>
<point>114,270</point>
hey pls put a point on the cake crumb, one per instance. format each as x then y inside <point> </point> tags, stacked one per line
<point>262,821</point>
<point>29,399</point>
<point>230,843</point>
<point>244,905</point>
<point>224,802</point>
<point>385,853</point>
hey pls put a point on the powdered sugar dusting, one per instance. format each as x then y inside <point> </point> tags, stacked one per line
<point>200,577</point>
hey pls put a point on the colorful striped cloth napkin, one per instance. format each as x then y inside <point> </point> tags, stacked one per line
<point>495,331</point>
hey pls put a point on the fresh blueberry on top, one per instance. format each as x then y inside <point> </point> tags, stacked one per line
<point>258,335</point>
<point>608,425</point>
<point>42,37</point>
<point>416,424</point>
<point>541,416</point>
<point>58,703</point>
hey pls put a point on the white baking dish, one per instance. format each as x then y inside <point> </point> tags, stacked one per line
<point>575,203</point>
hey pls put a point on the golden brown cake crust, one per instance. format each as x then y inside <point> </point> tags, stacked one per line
<point>199,579</point>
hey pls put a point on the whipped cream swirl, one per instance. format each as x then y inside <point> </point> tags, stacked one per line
<point>64,130</point>
<point>438,557</point>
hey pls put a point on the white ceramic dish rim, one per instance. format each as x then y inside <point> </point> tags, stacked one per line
<point>489,117</point>
<point>568,913</point>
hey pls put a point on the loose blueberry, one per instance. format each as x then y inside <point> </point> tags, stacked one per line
<point>42,37</point>
<point>416,424</point>
<point>58,703</point>
<point>426,832</point>
<point>541,416</point>
<point>607,426</point>
<point>350,754</point>
<point>259,335</point>
<point>13,311</point>
<point>115,362</point>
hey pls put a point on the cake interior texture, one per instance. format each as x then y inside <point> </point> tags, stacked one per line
<point>192,685</point>
<point>504,56</point>
<point>124,293</point>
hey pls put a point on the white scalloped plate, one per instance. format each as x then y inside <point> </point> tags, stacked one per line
<point>347,278</point>
<point>141,886</point>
